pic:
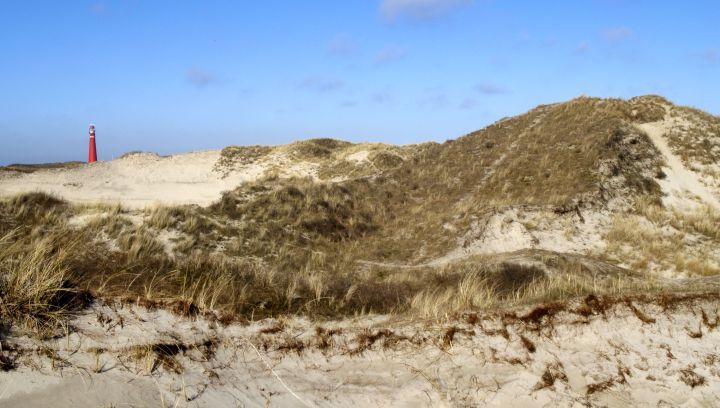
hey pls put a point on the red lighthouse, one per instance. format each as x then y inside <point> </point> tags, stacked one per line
<point>92,154</point>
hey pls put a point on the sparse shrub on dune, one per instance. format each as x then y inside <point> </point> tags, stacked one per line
<point>140,244</point>
<point>32,213</point>
<point>317,148</point>
<point>386,160</point>
<point>35,208</point>
<point>233,156</point>
<point>331,211</point>
<point>189,219</point>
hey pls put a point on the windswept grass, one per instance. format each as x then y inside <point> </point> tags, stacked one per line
<point>35,286</point>
<point>317,148</point>
<point>234,156</point>
<point>331,249</point>
<point>283,280</point>
<point>695,136</point>
<point>656,238</point>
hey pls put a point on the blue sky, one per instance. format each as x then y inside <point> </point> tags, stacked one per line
<point>173,76</point>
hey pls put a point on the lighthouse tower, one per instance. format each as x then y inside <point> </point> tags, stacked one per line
<point>92,154</point>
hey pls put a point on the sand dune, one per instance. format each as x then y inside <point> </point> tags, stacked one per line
<point>630,354</point>
<point>470,273</point>
<point>680,181</point>
<point>141,180</point>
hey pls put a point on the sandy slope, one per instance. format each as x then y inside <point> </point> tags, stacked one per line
<point>632,354</point>
<point>144,179</point>
<point>136,181</point>
<point>680,180</point>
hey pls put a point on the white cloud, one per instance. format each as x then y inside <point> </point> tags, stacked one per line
<point>421,9</point>
<point>200,77</point>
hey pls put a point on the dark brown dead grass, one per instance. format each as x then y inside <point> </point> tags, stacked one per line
<point>691,378</point>
<point>553,372</point>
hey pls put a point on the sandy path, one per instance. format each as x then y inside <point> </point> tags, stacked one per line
<point>679,178</point>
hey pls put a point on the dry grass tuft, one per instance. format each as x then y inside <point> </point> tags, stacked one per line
<point>317,148</point>
<point>159,355</point>
<point>656,238</point>
<point>35,288</point>
<point>234,156</point>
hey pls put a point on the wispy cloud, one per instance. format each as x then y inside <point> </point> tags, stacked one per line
<point>341,45</point>
<point>390,54</point>
<point>435,98</point>
<point>419,9</point>
<point>582,48</point>
<point>523,38</point>
<point>247,91</point>
<point>98,8</point>
<point>711,56</point>
<point>318,84</point>
<point>468,103</point>
<point>382,96</point>
<point>617,34</point>
<point>489,88</point>
<point>200,77</point>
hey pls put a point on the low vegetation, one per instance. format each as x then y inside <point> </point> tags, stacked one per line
<point>36,291</point>
<point>653,238</point>
<point>362,236</point>
<point>31,168</point>
<point>695,136</point>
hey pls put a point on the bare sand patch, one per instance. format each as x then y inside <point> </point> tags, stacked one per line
<point>138,180</point>
<point>627,353</point>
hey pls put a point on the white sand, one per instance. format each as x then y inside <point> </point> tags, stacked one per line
<point>680,181</point>
<point>359,156</point>
<point>644,362</point>
<point>514,229</point>
<point>144,179</point>
<point>136,181</point>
